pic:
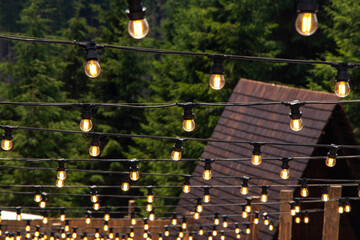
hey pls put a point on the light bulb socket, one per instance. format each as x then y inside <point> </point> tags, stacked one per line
<point>150,190</point>
<point>292,205</point>
<point>178,145</point>
<point>218,65</point>
<point>245,182</point>
<point>43,196</point>
<point>256,214</point>
<point>136,11</point>
<point>346,201</point>
<point>67,222</point>
<point>307,6</point>
<point>295,112</point>
<point>133,166</point>
<point>206,190</point>
<point>285,163</point>
<point>186,180</point>
<point>341,201</point>
<point>62,211</point>
<point>342,72</point>
<point>264,190</point>
<point>303,183</point>
<point>61,165</point>
<point>324,189</point>
<point>306,214</point>
<point>248,201</point>
<point>188,114</point>
<point>88,214</point>
<point>257,149</point>
<point>132,215</point>
<point>18,210</point>
<point>174,215</point>
<point>8,133</point>
<point>184,219</point>
<point>332,153</point>
<point>91,53</point>
<point>224,218</point>
<point>86,111</point>
<point>207,165</point>
<point>95,139</point>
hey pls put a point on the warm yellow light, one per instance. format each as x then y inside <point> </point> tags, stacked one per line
<point>244,214</point>
<point>149,207</point>
<point>292,212</point>
<point>27,228</point>
<point>45,220</point>
<point>138,29</point>
<point>175,155</point>
<point>6,144</point>
<point>86,125</point>
<point>271,227</point>
<point>306,219</point>
<point>296,124</point>
<point>201,232</point>
<point>342,88</point>
<point>94,151</point>
<point>106,217</point>
<point>238,236</point>
<point>183,225</point>
<point>341,209</point>
<point>92,68</point>
<point>325,197</point>
<point>125,186</point>
<point>196,215</point>
<point>67,228</point>
<point>88,220</point>
<point>150,198</point>
<point>132,234</point>
<point>330,162</point>
<point>298,219</point>
<point>37,198</point>
<point>285,174</point>
<point>145,235</point>
<point>210,237</point>
<point>174,221</point>
<point>225,224</point>
<point>256,220</point>
<point>188,125</point>
<point>214,233</point>
<point>62,217</point>
<point>60,183</point>
<point>248,208</point>
<point>61,175</point>
<point>186,188</point>
<point>190,238</point>
<point>264,198</point>
<point>199,208</point>
<point>134,175</point>
<point>217,81</point>
<point>206,198</point>
<point>266,221</point>
<point>297,208</point>
<point>133,221</point>
<point>111,235</point>
<point>207,174</point>
<point>216,221</point>
<point>28,235</point>
<point>306,23</point>
<point>181,234</point>
<point>151,216</point>
<point>347,208</point>
<point>167,233</point>
<point>244,190</point>
<point>222,237</point>
<point>63,235</point>
<point>74,235</point>
<point>304,192</point>
<point>256,159</point>
<point>247,230</point>
<point>94,198</point>
<point>96,206</point>
<point>97,235</point>
<point>18,217</point>
<point>42,204</point>
<point>106,227</point>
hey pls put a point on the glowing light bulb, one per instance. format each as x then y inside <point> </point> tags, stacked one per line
<point>166,233</point>
<point>37,197</point>
<point>186,188</point>
<point>342,88</point>
<point>306,219</point>
<point>341,209</point>
<point>45,220</point>
<point>149,207</point>
<point>217,81</point>
<point>96,206</point>
<point>86,125</point>
<point>18,217</point>
<point>271,227</point>
<point>60,183</point>
<point>106,217</point>
<point>244,190</point>
<point>88,220</point>
<point>247,230</point>
<point>152,216</point>
<point>174,221</point>
<point>138,29</point>
<point>201,231</point>
<point>97,234</point>
<point>247,208</point>
<point>298,219</point>
<point>94,198</point>
<point>28,227</point>
<point>196,215</point>
<point>284,174</point>
<point>183,225</point>
<point>150,198</point>
<point>199,208</point>
<point>304,192</point>
<point>214,232</point>
<point>325,197</point>
<point>94,151</point>
<point>206,198</point>
<point>28,235</point>
<point>296,124</point>
<point>347,208</point>
<point>125,186</point>
<point>216,221</point>
<point>256,159</point>
<point>330,162</point>
<point>134,175</point>
<point>106,227</point>
<point>188,125</point>
<point>42,204</point>
<point>297,208</point>
<point>175,155</point>
<point>256,220</point>
<point>61,175</point>
<point>6,144</point>
<point>92,68</point>
<point>264,198</point>
<point>207,174</point>
<point>238,236</point>
<point>306,23</point>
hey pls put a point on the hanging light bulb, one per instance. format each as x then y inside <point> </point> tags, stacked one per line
<point>225,223</point>
<point>61,171</point>
<point>166,233</point>
<point>207,169</point>
<point>292,208</point>
<point>37,196</point>
<point>245,184</point>
<point>306,217</point>
<point>146,224</point>
<point>174,220</point>
<point>256,218</point>
<point>133,219</point>
<point>145,234</point>
<point>285,174</point>
<point>18,236</point>
<point>27,227</point>
<point>206,194</point>
<point>306,22</point>
<point>342,87</point>
<point>176,150</point>
<point>248,205</point>
<point>271,226</point>
<point>183,224</point>
<point>201,231</point>
<point>296,123</point>
<point>199,207</point>
<point>94,195</point>
<point>304,190</point>
<point>59,183</point>
<point>107,215</point>
<point>238,236</point>
<point>138,26</point>
<point>347,206</point>
<point>106,226</point>
<point>341,206</point>
<point>84,236</point>
<point>111,234</point>
<point>264,194</point>
<point>237,229</point>
<point>86,115</point>
<point>298,219</point>
<point>244,214</point>
<point>222,236</point>
<point>88,217</point>
<point>96,205</point>
<point>37,231</point>
<point>330,160</point>
<point>297,206</point>
<point>97,234</point>
<point>189,238</point>
<point>186,186</point>
<point>74,234</point>
<point>247,230</point>
<point>92,66</point>
<point>214,231</point>
<point>67,226</point>
<point>216,219</point>
<point>152,215</point>
<point>188,116</point>
<point>150,195</point>
<point>45,219</point>
<point>134,171</point>
<point>325,194</point>
<point>132,233</point>
<point>256,157</point>
<point>18,214</point>
<point>42,203</point>
<point>217,80</point>
<point>63,234</point>
<point>6,142</point>
<point>125,184</point>
<point>94,149</point>
<point>196,215</point>
<point>210,237</point>
<point>181,233</point>
<point>28,235</point>
<point>149,207</point>
<point>161,238</point>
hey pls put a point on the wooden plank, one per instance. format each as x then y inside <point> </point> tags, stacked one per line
<point>285,220</point>
<point>331,215</point>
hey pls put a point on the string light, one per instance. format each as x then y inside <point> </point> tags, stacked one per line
<point>214,231</point>
<point>248,205</point>
<point>97,234</point>
<point>92,66</point>
<point>306,22</point>
<point>296,123</point>
<point>42,203</point>
<point>238,236</point>
<point>96,205</point>
<point>190,237</point>
<point>347,207</point>
<point>74,234</point>
<point>107,214</point>
<point>152,215</point>
<point>186,186</point>
<point>138,27</point>
<point>133,219</point>
<point>62,214</point>
<point>330,160</point>
<point>45,219</point>
<point>256,218</point>
<point>342,87</point>
<point>210,237</point>
<point>145,234</point>
<point>88,217</point>
<point>285,174</point>
<point>216,219</point>
<point>292,208</point>
<point>325,194</point>
<point>184,225</point>
<point>6,143</point>
<point>304,190</point>
<point>176,150</point>
<point>86,123</point>
<point>256,157</point>
<point>199,207</point>
<point>247,230</point>
<point>149,207</point>
<point>84,236</point>
<point>94,194</point>
<point>264,194</point>
<point>297,206</point>
<point>94,149</point>
<point>132,233</point>
<point>225,223</point>
<point>217,80</point>
<point>134,171</point>
<point>125,184</point>
<point>67,226</point>
<point>341,206</point>
<point>196,215</point>
<point>150,195</point>
<point>244,187</point>
<point>244,214</point>
<point>222,236</point>
<point>298,219</point>
<point>52,236</point>
<point>106,226</point>
<point>188,116</point>
<point>27,227</point>
<point>207,169</point>
<point>18,236</point>
<point>271,226</point>
<point>237,229</point>
<point>63,234</point>
<point>167,233</point>
<point>111,234</point>
<point>174,220</point>
<point>206,195</point>
<point>306,217</point>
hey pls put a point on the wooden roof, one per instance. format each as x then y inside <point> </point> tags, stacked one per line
<point>258,123</point>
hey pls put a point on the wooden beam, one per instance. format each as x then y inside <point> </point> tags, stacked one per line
<point>331,215</point>
<point>254,234</point>
<point>285,220</point>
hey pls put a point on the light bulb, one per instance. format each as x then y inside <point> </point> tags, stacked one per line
<point>238,236</point>
<point>167,233</point>
<point>201,232</point>
<point>188,125</point>
<point>341,209</point>
<point>210,237</point>
<point>133,221</point>
<point>196,215</point>
<point>342,88</point>
<point>247,230</point>
<point>266,221</point>
<point>111,235</point>
<point>183,225</point>
<point>18,217</point>
<point>174,221</point>
<point>292,212</point>
<point>28,235</point>
<point>207,174</point>
<point>92,69</point>
<point>134,175</point>
<point>217,81</point>
<point>42,204</point>
<point>6,144</point>
<point>149,207</point>
<point>94,151</point>
<point>86,125</point>
<point>150,198</point>
<point>175,155</point>
<point>214,232</point>
<point>216,221</point>
<point>186,188</point>
<point>199,208</point>
<point>206,198</point>
<point>125,186</point>
<point>237,230</point>
<point>222,237</point>
<point>297,208</point>
<point>106,217</point>
<point>304,192</point>
<point>138,29</point>
<point>88,220</point>
<point>225,224</point>
<point>256,220</point>
<point>264,198</point>
<point>306,23</point>
<point>181,234</point>
<point>306,219</point>
<point>45,220</point>
<point>298,219</point>
<point>59,183</point>
<point>347,208</point>
<point>96,206</point>
<point>271,227</point>
<point>325,197</point>
<point>94,198</point>
<point>256,159</point>
<point>247,208</point>
<point>37,197</point>
<point>97,234</point>
<point>330,162</point>
<point>296,124</point>
<point>106,227</point>
<point>284,174</point>
<point>152,216</point>
<point>27,228</point>
<point>61,175</point>
<point>244,190</point>
<point>244,214</point>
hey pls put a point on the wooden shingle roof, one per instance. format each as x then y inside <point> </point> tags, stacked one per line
<point>258,124</point>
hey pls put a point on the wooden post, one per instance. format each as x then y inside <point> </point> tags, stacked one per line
<point>131,208</point>
<point>285,220</point>
<point>254,234</point>
<point>331,215</point>
<point>190,224</point>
